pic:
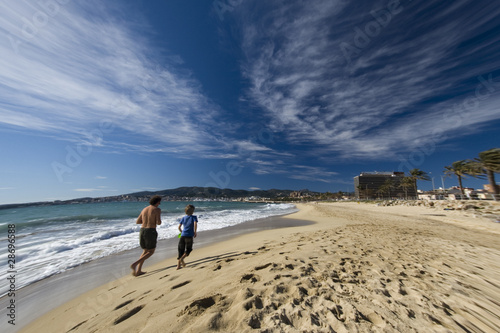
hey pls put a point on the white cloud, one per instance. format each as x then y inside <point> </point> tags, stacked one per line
<point>293,171</point>
<point>379,103</point>
<point>86,189</point>
<point>87,63</point>
<point>98,189</point>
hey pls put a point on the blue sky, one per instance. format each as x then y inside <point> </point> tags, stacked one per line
<point>103,98</point>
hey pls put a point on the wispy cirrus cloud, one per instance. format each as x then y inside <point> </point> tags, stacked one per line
<point>90,62</point>
<point>396,89</point>
<point>86,190</point>
<point>98,189</point>
<point>268,165</point>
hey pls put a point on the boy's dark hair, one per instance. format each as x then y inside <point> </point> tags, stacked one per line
<point>154,200</point>
<point>189,210</point>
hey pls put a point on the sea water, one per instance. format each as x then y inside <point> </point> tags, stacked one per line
<point>52,239</point>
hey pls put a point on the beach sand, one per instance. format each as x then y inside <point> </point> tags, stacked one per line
<point>359,268</point>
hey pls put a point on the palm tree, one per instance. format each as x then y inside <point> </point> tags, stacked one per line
<point>406,183</point>
<point>461,169</point>
<point>361,192</point>
<point>417,174</point>
<point>489,163</point>
<point>388,186</point>
<point>381,190</point>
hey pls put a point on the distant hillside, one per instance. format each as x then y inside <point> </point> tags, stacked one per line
<point>173,194</point>
<point>213,192</point>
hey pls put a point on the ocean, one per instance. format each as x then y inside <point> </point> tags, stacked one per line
<point>52,239</point>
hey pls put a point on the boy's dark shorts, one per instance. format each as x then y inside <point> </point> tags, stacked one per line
<point>185,246</point>
<point>147,238</point>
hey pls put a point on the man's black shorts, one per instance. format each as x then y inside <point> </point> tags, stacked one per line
<point>147,238</point>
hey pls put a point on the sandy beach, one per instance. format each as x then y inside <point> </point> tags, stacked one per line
<point>358,268</point>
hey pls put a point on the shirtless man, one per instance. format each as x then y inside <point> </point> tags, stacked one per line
<point>149,218</point>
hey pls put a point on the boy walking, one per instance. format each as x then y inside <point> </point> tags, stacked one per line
<point>187,227</point>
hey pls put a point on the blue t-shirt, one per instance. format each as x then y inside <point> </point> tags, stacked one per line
<point>188,223</point>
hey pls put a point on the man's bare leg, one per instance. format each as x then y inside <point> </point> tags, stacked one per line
<point>134,265</point>
<point>137,266</point>
<point>142,260</point>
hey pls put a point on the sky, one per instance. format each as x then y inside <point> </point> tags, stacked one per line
<point>101,98</point>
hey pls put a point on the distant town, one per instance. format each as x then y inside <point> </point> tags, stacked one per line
<point>368,186</point>
<point>396,185</point>
<point>188,194</point>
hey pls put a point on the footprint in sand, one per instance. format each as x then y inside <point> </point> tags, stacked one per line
<point>128,314</point>
<point>122,305</point>
<point>254,321</point>
<point>199,306</point>
<point>254,303</point>
<point>447,309</point>
<point>76,326</point>
<point>144,295</point>
<point>375,319</point>
<point>180,285</point>
<point>129,293</point>
<point>281,288</point>
<point>258,268</point>
<point>250,277</point>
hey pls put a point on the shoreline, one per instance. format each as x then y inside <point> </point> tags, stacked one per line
<point>357,268</point>
<point>35,300</point>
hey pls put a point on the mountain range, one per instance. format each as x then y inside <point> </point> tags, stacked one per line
<point>174,194</point>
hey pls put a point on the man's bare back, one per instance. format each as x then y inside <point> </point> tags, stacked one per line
<point>150,217</point>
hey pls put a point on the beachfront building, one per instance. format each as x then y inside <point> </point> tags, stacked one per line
<point>381,185</point>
